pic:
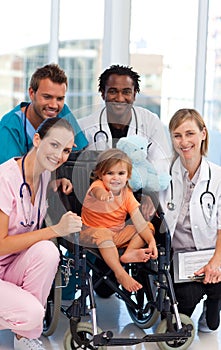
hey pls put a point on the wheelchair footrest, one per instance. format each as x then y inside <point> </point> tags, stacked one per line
<point>106,338</point>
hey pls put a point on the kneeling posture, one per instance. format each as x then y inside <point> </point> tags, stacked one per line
<point>28,259</point>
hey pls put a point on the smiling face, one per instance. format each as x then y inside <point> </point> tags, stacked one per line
<point>119,95</point>
<point>54,149</point>
<point>47,101</point>
<point>115,179</point>
<point>187,140</point>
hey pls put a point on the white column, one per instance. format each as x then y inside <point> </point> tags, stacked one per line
<point>116,38</point>
<point>200,69</point>
<point>54,32</point>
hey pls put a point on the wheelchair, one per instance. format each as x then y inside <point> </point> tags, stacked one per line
<point>155,301</point>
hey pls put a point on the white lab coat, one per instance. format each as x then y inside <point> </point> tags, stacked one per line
<point>149,126</point>
<point>204,230</point>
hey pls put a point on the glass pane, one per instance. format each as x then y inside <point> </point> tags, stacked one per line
<point>80,52</point>
<point>25,33</point>
<point>163,51</point>
<point>25,47</point>
<point>212,107</point>
<point>213,69</point>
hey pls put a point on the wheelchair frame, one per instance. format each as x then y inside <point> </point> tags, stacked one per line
<point>156,298</point>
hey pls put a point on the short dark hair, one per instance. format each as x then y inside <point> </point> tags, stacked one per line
<point>119,70</point>
<point>51,71</point>
<point>49,123</point>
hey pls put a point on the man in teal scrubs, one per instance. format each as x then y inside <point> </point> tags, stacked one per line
<point>47,91</point>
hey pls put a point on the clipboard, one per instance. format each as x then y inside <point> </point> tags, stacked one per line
<point>186,263</point>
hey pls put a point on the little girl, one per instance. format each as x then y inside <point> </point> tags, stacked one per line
<point>105,207</point>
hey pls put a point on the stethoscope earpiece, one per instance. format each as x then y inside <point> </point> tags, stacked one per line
<point>27,224</point>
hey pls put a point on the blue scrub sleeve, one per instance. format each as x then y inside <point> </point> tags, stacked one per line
<point>13,143</point>
<point>80,139</point>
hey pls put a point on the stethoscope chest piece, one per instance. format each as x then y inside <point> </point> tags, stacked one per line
<point>207,199</point>
<point>171,206</point>
<point>103,133</point>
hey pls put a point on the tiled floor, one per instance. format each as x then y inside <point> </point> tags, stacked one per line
<point>112,315</point>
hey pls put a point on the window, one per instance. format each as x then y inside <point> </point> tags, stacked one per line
<point>212,110</point>
<point>163,51</point>
<point>25,29</point>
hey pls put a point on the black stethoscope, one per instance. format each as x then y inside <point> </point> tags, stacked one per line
<point>103,132</point>
<point>27,217</point>
<point>171,204</point>
<point>206,193</point>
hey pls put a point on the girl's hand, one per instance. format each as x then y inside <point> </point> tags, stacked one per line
<point>102,195</point>
<point>107,197</point>
<point>153,249</point>
<point>69,223</point>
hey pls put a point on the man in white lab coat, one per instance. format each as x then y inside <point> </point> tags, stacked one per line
<point>118,86</point>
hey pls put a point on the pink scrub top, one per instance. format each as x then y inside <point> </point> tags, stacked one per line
<point>10,200</point>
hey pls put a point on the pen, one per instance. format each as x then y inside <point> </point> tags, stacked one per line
<point>196,278</point>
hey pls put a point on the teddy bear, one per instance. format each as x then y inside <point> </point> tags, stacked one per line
<point>144,176</point>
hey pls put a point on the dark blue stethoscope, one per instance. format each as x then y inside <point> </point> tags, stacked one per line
<point>103,132</point>
<point>27,218</point>
<point>25,127</point>
<point>206,193</point>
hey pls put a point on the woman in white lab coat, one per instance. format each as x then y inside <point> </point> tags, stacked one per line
<point>193,213</point>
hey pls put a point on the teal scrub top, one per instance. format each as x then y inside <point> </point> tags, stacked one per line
<point>14,139</point>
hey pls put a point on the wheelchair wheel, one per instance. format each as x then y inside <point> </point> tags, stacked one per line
<point>53,307</point>
<point>182,344</point>
<point>85,332</point>
<point>145,314</point>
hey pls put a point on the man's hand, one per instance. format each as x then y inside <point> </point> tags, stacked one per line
<point>65,184</point>
<point>147,207</point>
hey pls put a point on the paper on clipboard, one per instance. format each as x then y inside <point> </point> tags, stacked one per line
<point>186,263</point>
